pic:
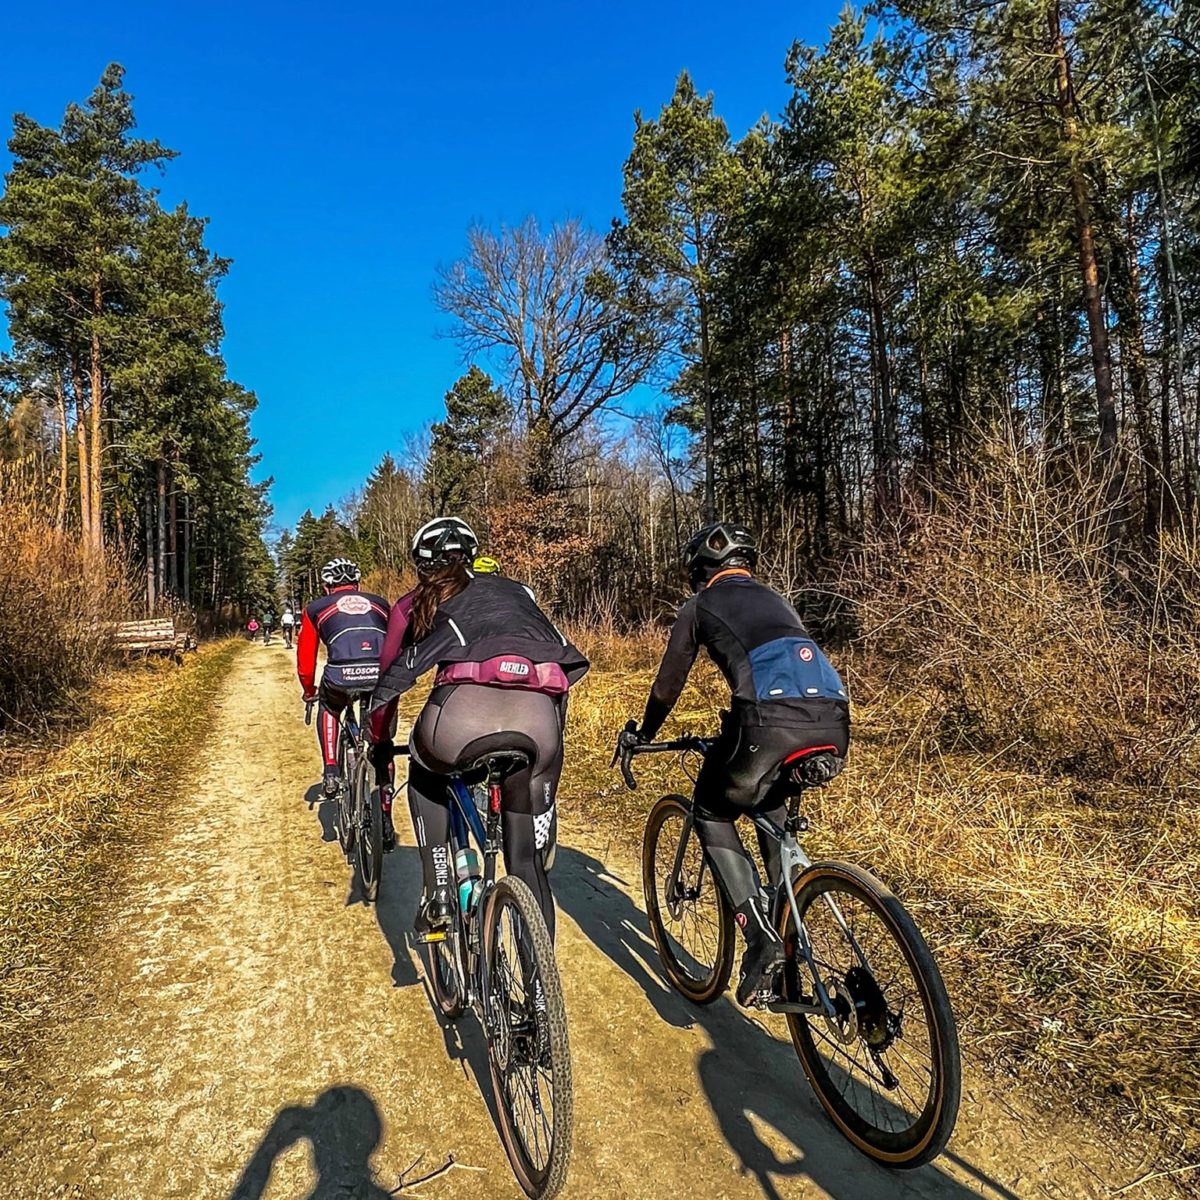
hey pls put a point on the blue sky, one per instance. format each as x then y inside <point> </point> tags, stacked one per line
<point>341,151</point>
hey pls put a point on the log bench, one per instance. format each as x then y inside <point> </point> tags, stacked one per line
<point>156,636</point>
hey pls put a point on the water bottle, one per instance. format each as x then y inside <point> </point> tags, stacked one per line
<point>466,871</point>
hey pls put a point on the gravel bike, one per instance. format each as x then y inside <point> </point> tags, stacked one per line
<point>497,960</point>
<point>864,1000</point>
<point>359,818</point>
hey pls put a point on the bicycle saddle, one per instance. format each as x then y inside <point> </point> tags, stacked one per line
<point>815,766</point>
<point>498,755</point>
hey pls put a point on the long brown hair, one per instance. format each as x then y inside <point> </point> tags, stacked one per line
<point>434,588</point>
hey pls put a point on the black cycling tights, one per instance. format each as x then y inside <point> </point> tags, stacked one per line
<point>737,777</point>
<point>447,736</point>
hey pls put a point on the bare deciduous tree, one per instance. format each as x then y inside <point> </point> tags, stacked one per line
<point>573,337</point>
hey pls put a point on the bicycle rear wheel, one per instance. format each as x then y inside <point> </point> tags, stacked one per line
<point>689,917</point>
<point>886,1068</point>
<point>526,1025</point>
<point>369,835</point>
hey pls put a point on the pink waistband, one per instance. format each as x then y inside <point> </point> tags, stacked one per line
<point>508,670</point>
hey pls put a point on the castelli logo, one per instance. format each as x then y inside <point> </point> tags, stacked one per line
<point>355,605</point>
<point>806,654</point>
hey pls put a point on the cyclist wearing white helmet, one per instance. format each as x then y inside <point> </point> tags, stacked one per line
<point>503,671</point>
<point>351,624</point>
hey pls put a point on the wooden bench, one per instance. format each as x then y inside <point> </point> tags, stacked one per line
<point>157,636</point>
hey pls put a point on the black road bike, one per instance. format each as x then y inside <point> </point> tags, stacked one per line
<point>497,960</point>
<point>359,819</point>
<point>864,1000</point>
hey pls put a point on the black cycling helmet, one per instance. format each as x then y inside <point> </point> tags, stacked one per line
<point>715,546</point>
<point>339,572</point>
<point>440,541</point>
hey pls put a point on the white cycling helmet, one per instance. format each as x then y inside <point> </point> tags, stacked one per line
<point>338,572</point>
<point>438,539</point>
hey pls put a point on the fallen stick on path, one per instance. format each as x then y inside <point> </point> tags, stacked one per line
<point>405,1183</point>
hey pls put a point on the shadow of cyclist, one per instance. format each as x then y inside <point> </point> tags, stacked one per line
<point>395,909</point>
<point>748,1076</point>
<point>343,1129</point>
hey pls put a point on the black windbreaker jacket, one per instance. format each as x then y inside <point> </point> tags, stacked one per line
<point>776,672</point>
<point>491,617</point>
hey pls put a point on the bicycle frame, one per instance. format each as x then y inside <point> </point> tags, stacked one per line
<point>792,860</point>
<point>467,824</point>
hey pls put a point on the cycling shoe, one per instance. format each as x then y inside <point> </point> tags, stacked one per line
<point>433,917</point>
<point>761,965</point>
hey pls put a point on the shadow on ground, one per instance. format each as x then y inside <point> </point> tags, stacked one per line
<point>343,1129</point>
<point>747,1075</point>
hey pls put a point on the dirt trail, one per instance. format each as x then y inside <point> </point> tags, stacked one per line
<point>247,1029</point>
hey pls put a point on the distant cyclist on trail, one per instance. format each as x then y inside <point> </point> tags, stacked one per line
<point>268,626</point>
<point>503,671</point>
<point>351,624</point>
<point>288,622</point>
<point>786,697</point>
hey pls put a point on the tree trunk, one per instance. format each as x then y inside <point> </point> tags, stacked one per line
<point>187,549</point>
<point>1092,299</point>
<point>161,507</point>
<point>85,459</point>
<point>710,476</point>
<point>1128,299</point>
<point>151,590</point>
<point>97,416</point>
<point>886,433</point>
<point>63,451</point>
<point>173,535</point>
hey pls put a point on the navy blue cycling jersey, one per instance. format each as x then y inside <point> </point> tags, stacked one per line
<point>775,670</point>
<point>352,625</point>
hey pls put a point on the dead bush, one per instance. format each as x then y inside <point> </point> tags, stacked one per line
<point>57,605</point>
<point>999,620</point>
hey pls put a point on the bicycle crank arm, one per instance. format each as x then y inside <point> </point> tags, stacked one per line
<point>808,1008</point>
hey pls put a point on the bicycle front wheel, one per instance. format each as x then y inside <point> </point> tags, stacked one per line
<point>369,813</point>
<point>528,1052</point>
<point>447,970</point>
<point>689,917</point>
<point>885,1066</point>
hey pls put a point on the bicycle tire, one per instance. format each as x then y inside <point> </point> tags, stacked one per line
<point>550,1040</point>
<point>345,799</point>
<point>447,976</point>
<point>369,836</point>
<point>928,1136</point>
<point>708,979</point>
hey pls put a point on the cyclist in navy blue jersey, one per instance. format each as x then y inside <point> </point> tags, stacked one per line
<point>351,624</point>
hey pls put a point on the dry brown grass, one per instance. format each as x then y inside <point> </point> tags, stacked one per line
<point>56,606</point>
<point>65,812</point>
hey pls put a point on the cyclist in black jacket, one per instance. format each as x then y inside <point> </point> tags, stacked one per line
<point>786,697</point>
<point>502,674</point>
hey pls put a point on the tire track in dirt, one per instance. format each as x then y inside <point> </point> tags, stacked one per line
<point>248,1030</point>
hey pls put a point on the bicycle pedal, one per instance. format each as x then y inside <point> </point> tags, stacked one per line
<point>436,935</point>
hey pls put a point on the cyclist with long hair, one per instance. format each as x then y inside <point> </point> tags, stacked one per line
<point>786,697</point>
<point>503,671</point>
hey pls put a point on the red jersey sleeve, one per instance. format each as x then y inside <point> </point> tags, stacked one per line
<point>306,654</point>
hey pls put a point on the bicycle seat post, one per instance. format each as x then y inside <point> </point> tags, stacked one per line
<point>796,822</point>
